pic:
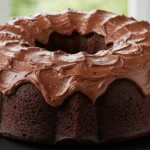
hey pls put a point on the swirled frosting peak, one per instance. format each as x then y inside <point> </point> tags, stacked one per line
<point>58,74</point>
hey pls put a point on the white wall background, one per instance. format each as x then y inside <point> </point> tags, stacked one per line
<point>4,11</point>
<point>139,9</point>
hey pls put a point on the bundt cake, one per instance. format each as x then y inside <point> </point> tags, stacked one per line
<point>75,77</point>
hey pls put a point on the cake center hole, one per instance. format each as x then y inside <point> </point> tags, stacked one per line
<point>75,43</point>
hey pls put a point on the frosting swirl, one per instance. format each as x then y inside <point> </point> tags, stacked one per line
<point>58,74</point>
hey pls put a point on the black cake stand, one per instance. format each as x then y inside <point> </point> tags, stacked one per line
<point>140,144</point>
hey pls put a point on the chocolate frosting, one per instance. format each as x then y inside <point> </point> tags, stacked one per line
<point>58,74</point>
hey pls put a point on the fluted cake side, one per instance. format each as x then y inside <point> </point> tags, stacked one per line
<point>122,113</point>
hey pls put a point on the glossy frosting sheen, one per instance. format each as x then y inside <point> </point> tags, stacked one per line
<point>58,74</point>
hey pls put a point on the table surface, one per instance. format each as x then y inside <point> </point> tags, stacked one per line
<point>140,144</point>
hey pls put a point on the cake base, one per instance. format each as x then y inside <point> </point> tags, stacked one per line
<point>9,144</point>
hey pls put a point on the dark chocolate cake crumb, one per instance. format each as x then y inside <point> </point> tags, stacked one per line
<point>75,43</point>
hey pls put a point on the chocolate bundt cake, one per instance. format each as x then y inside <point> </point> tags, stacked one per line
<point>75,77</point>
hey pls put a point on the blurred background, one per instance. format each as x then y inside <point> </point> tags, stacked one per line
<point>28,7</point>
<point>9,9</point>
